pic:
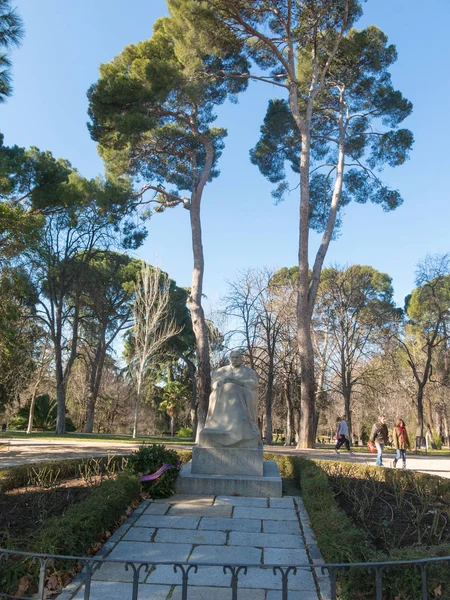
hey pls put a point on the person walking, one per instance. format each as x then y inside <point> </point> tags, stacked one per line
<point>342,438</point>
<point>379,436</point>
<point>401,442</point>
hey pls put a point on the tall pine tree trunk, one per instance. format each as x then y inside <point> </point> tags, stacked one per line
<point>198,316</point>
<point>305,346</point>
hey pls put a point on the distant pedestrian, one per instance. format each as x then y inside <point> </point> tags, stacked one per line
<point>342,437</point>
<point>379,436</point>
<point>401,442</point>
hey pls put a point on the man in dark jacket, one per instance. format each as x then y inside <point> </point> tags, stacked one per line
<point>379,436</point>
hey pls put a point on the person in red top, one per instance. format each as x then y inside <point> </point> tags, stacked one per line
<point>401,442</point>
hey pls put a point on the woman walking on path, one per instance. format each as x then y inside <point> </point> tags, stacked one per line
<point>379,436</point>
<point>401,442</point>
<point>342,435</point>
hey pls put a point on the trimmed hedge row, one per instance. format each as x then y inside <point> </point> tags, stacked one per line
<point>340,540</point>
<point>56,471</point>
<point>75,531</point>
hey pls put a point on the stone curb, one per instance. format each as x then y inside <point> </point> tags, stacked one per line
<point>315,556</point>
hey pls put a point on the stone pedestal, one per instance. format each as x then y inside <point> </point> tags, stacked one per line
<point>227,461</point>
<point>267,486</point>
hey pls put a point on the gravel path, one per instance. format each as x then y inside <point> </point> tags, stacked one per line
<point>22,451</point>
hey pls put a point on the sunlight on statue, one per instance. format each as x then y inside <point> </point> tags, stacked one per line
<point>233,406</point>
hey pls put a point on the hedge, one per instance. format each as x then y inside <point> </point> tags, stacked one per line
<point>340,541</point>
<point>56,471</point>
<point>75,531</point>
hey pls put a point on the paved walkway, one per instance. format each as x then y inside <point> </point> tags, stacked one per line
<point>221,530</point>
<point>23,451</point>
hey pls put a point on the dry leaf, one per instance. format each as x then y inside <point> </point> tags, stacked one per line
<point>24,584</point>
<point>438,590</point>
<point>52,582</point>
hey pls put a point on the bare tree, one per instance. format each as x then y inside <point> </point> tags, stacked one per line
<point>152,326</point>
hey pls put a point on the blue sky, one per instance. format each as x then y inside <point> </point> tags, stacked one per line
<point>64,44</point>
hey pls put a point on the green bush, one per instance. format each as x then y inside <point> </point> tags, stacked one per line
<point>45,412</point>
<point>340,540</point>
<point>75,531</point>
<point>184,432</point>
<point>147,460</point>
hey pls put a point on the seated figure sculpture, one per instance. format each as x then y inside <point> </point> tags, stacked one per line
<point>233,405</point>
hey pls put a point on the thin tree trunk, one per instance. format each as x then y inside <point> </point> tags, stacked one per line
<point>198,316</point>
<point>94,386</point>
<point>36,387</point>
<point>193,406</point>
<point>137,406</point>
<point>32,404</point>
<point>268,409</point>
<point>290,425</point>
<point>306,351</point>
<point>419,429</point>
<point>430,412</point>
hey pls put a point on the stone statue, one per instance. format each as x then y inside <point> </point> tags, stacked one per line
<point>233,407</point>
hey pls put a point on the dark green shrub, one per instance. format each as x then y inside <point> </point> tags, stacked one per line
<point>75,531</point>
<point>340,540</point>
<point>149,459</point>
<point>45,411</point>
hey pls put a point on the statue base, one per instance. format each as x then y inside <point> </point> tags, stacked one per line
<point>267,486</point>
<point>227,461</point>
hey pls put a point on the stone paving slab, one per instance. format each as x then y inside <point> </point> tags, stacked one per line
<point>140,551</point>
<point>241,501</point>
<point>205,576</point>
<point>293,595</point>
<point>285,556</point>
<point>265,579</point>
<point>186,499</point>
<point>139,534</point>
<point>112,571</point>
<point>164,521</point>
<point>190,536</point>
<point>217,593</point>
<point>190,510</point>
<point>281,502</point>
<point>156,509</point>
<point>281,527</point>
<point>265,540</point>
<point>234,524</point>
<point>271,514</point>
<point>226,555</point>
<point>111,590</point>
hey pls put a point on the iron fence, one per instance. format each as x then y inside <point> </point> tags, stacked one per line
<point>281,573</point>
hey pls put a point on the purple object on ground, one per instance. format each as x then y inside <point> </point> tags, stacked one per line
<point>159,472</point>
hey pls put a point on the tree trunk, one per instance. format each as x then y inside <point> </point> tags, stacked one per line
<point>94,386</point>
<point>193,407</point>
<point>172,425</point>
<point>32,404</point>
<point>306,352</point>
<point>198,316</point>
<point>419,428</point>
<point>137,406</point>
<point>430,412</point>
<point>290,425</point>
<point>60,391</point>
<point>268,409</point>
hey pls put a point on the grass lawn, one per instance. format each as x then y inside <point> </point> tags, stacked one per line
<point>98,437</point>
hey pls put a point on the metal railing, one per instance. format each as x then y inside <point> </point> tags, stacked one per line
<point>280,573</point>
